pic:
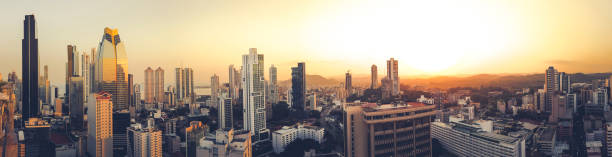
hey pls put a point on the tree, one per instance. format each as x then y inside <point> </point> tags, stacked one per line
<point>280,110</point>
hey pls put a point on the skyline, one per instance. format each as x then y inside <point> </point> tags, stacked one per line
<point>325,35</point>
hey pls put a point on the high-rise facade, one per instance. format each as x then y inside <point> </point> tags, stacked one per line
<point>226,117</point>
<point>550,85</point>
<point>194,133</point>
<point>29,69</point>
<point>159,86</point>
<point>112,68</point>
<point>234,82</point>
<point>348,83</point>
<point>214,91</point>
<point>273,86</point>
<point>393,76</point>
<point>564,84</point>
<point>253,92</point>
<point>387,130</point>
<point>85,75</point>
<point>298,86</point>
<point>144,142</point>
<point>374,77</point>
<point>76,102</point>
<point>149,85</point>
<point>184,85</point>
<point>70,65</point>
<point>100,123</point>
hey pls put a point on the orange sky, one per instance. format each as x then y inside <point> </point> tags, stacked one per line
<point>439,37</point>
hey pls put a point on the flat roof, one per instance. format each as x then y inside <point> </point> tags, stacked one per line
<point>373,107</point>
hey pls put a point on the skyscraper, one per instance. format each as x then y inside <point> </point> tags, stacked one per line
<point>214,91</point>
<point>392,75</point>
<point>159,85</point>
<point>298,86</point>
<point>85,75</point>
<point>76,102</point>
<point>374,77</point>
<point>29,69</point>
<point>226,117</point>
<point>100,123</point>
<point>184,85</point>
<point>149,85</point>
<point>112,68</point>
<point>254,111</point>
<point>234,82</point>
<point>71,50</point>
<point>273,86</point>
<point>348,83</point>
<point>565,83</point>
<point>550,85</point>
<point>194,133</point>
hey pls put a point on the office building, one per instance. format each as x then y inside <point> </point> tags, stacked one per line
<point>348,83</point>
<point>273,96</point>
<point>465,139</point>
<point>75,100</point>
<point>33,140</point>
<point>287,134</point>
<point>45,86</point>
<point>29,69</point>
<point>100,125</point>
<point>387,130</point>
<point>374,77</point>
<point>253,102</point>
<point>565,84</point>
<point>393,76</point>
<point>194,133</point>
<point>226,143</point>
<point>112,69</point>
<point>85,75</point>
<point>121,121</point>
<point>298,86</point>
<point>144,142</point>
<point>184,85</point>
<point>214,91</point>
<point>550,85</point>
<point>226,117</point>
<point>71,66</point>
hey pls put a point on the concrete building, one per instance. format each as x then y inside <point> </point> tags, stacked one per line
<point>283,137</point>
<point>234,82</point>
<point>253,102</point>
<point>226,143</point>
<point>298,86</point>
<point>348,83</point>
<point>387,130</point>
<point>393,76</point>
<point>214,91</point>
<point>226,117</point>
<point>273,96</point>
<point>374,77</point>
<point>100,123</point>
<point>609,137</point>
<point>545,139</point>
<point>76,101</point>
<point>144,142</point>
<point>194,133</point>
<point>463,139</point>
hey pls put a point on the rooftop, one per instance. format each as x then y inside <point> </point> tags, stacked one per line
<point>373,107</point>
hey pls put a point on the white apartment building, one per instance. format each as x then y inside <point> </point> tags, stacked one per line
<point>469,140</point>
<point>281,138</point>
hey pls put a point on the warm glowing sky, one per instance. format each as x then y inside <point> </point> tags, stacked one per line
<point>438,37</point>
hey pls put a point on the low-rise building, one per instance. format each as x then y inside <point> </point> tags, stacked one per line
<point>465,139</point>
<point>226,143</point>
<point>283,137</point>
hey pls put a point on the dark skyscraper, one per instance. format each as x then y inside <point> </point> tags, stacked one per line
<point>298,86</point>
<point>348,83</point>
<point>29,69</point>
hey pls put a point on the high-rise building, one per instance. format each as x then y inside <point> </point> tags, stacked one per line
<point>254,111</point>
<point>29,69</point>
<point>112,69</point>
<point>226,117</point>
<point>565,83</point>
<point>144,142</point>
<point>234,82</point>
<point>184,85</point>
<point>609,137</point>
<point>76,102</point>
<point>70,65</point>
<point>120,123</point>
<point>149,85</point>
<point>298,86</point>
<point>85,75</point>
<point>374,77</point>
<point>273,86</point>
<point>131,90</point>
<point>550,85</point>
<point>34,139</point>
<point>214,91</point>
<point>100,123</point>
<point>348,83</point>
<point>387,130</point>
<point>393,75</point>
<point>45,85</point>
<point>159,86</point>
<point>194,133</point>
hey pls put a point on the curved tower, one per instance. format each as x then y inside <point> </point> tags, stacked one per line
<point>112,69</point>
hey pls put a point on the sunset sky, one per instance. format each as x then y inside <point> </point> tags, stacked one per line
<point>438,37</point>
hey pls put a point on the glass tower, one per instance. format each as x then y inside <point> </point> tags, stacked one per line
<point>29,69</point>
<point>112,69</point>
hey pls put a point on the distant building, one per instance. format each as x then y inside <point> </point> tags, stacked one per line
<point>550,85</point>
<point>234,82</point>
<point>226,117</point>
<point>214,91</point>
<point>253,93</point>
<point>30,71</point>
<point>348,83</point>
<point>609,137</point>
<point>77,110</point>
<point>226,143</point>
<point>387,130</point>
<point>545,139</point>
<point>374,77</point>
<point>283,137</point>
<point>144,142</point>
<point>298,86</point>
<point>425,100</point>
<point>100,125</point>
<point>273,97</point>
<point>464,139</point>
<point>393,76</point>
<point>184,85</point>
<point>112,69</point>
